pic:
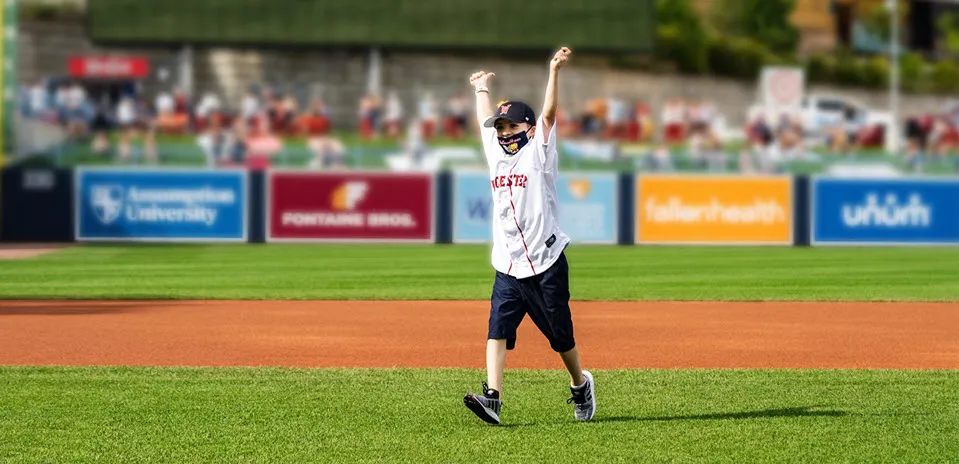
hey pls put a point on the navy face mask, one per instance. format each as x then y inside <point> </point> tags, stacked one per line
<point>513,143</point>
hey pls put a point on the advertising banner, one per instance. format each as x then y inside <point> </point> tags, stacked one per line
<point>884,211</point>
<point>588,207</point>
<point>714,210</point>
<point>161,205</point>
<point>108,67</point>
<point>349,206</point>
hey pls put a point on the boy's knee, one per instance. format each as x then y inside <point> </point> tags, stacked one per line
<point>562,346</point>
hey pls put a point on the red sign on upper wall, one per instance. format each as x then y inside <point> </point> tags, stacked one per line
<point>109,67</point>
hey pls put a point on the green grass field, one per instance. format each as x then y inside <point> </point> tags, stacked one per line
<point>147,415</point>
<point>462,272</point>
<point>177,415</point>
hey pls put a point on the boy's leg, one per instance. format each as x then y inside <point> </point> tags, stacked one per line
<point>495,363</point>
<point>548,298</point>
<point>571,360</point>
<point>507,310</point>
<point>549,309</point>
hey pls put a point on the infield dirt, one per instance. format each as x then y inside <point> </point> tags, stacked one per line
<point>452,334</point>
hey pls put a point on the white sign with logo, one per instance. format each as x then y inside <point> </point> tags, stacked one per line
<point>782,88</point>
<point>160,204</point>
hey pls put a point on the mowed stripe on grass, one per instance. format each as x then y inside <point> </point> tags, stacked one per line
<point>463,272</point>
<point>363,415</point>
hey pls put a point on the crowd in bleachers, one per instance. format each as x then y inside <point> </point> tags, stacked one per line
<point>258,126</point>
<point>933,136</point>
<point>248,135</point>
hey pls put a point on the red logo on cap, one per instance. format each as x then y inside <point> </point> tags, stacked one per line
<point>503,109</point>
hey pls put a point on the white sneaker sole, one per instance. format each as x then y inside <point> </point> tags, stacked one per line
<point>592,389</point>
<point>486,414</point>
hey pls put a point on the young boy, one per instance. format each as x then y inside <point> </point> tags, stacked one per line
<point>532,275</point>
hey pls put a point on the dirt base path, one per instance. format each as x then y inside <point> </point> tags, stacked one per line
<point>452,334</point>
<point>28,250</point>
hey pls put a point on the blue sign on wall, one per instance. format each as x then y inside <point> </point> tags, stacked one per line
<point>588,207</point>
<point>885,211</point>
<point>161,205</point>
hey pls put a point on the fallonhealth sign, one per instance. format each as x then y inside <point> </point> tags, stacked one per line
<point>713,210</point>
<point>361,206</point>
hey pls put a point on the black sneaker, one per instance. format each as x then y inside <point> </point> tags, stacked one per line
<point>584,398</point>
<point>485,406</point>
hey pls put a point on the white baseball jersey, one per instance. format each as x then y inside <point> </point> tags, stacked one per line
<point>526,235</point>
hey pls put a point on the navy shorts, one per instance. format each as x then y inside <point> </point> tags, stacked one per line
<point>545,297</point>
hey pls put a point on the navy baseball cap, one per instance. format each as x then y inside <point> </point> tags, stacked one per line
<point>513,111</point>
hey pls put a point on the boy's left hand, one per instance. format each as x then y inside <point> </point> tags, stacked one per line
<point>560,58</point>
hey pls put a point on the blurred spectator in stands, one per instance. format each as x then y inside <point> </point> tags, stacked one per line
<point>235,149</point>
<point>250,106</point>
<point>101,126</point>
<point>393,119</point>
<point>790,136</point>
<point>758,130</point>
<point>674,121</point>
<point>415,146</point>
<point>701,116</point>
<point>38,104</point>
<point>268,98</point>
<point>942,137</point>
<point>594,118</point>
<point>208,108</point>
<point>262,146</point>
<point>164,103</point>
<point>60,98</point>
<point>844,136</point>
<point>644,121</point>
<point>75,117</point>
<point>315,121</point>
<point>837,140</point>
<point>915,156</point>
<point>617,115</point>
<point>218,143</point>
<point>328,152</point>
<point>282,114</point>
<point>917,137</point>
<point>173,115</point>
<point>763,149</point>
<point>457,116</point>
<point>136,120</point>
<point>370,113</point>
<point>428,115</point>
<point>918,128</point>
<point>567,126</point>
<point>181,103</point>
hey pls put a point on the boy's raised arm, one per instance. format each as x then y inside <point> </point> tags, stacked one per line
<point>552,90</point>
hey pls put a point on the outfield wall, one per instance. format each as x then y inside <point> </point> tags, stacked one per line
<point>201,206</point>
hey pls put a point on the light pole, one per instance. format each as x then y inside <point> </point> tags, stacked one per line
<point>893,7</point>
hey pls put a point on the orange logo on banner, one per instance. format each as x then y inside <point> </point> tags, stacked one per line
<point>347,196</point>
<point>677,209</point>
<point>580,188</point>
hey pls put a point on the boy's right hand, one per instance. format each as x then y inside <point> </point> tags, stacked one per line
<point>480,79</point>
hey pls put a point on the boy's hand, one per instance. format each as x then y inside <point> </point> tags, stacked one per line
<point>560,58</point>
<point>480,79</point>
